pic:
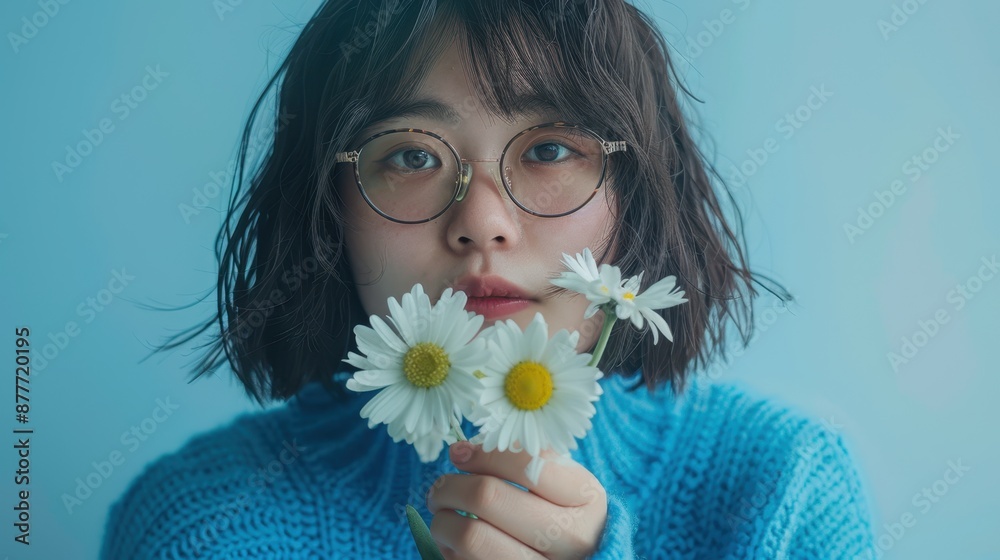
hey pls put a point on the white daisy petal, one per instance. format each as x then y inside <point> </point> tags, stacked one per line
<point>374,348</point>
<point>535,337</point>
<point>506,431</point>
<point>663,294</point>
<point>359,362</point>
<point>377,378</point>
<point>353,385</point>
<point>413,410</point>
<point>658,324</point>
<point>591,310</point>
<point>388,337</point>
<point>534,469</point>
<point>398,318</point>
<point>572,282</point>
<point>531,436</point>
<point>386,405</point>
<point>585,265</point>
<point>635,317</point>
<point>632,284</point>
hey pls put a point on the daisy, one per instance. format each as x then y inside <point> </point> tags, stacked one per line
<point>605,289</point>
<point>538,393</point>
<point>631,305</point>
<point>422,370</point>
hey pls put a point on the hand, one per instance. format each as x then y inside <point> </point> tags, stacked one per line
<point>562,516</point>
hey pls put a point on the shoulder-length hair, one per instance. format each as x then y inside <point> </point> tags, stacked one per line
<point>286,300</point>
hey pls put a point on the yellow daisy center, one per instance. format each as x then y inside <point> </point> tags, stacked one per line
<point>528,385</point>
<point>605,289</point>
<point>426,365</point>
<point>629,296</point>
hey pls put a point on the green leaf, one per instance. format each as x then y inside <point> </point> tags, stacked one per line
<point>422,536</point>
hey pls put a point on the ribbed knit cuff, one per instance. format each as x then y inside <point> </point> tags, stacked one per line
<point>619,532</point>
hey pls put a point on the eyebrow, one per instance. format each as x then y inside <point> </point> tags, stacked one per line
<point>435,109</point>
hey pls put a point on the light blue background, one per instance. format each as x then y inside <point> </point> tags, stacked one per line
<point>60,241</point>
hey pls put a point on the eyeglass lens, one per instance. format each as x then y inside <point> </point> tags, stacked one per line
<point>413,176</point>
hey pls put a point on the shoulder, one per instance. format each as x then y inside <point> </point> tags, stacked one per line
<point>190,501</point>
<point>778,477</point>
<point>739,418</point>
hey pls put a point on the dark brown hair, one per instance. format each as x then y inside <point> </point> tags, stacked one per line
<point>286,301</point>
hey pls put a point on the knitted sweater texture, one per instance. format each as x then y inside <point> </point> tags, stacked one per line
<point>714,473</point>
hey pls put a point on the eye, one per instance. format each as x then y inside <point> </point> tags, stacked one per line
<point>548,152</point>
<point>413,160</point>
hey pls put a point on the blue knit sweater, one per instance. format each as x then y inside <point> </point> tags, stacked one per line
<point>714,474</point>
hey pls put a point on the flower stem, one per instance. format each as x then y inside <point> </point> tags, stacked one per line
<point>457,430</point>
<point>609,321</point>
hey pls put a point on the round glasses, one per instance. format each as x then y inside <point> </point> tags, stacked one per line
<point>412,176</point>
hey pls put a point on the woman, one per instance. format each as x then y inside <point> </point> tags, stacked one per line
<point>381,98</point>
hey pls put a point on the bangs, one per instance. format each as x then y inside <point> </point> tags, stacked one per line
<point>519,61</point>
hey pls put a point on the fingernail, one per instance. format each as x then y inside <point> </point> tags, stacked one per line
<point>461,452</point>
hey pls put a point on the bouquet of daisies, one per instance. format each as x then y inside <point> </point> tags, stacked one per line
<point>525,391</point>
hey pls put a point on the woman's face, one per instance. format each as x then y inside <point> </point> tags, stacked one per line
<point>485,234</point>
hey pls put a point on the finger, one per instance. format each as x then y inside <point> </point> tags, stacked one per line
<point>475,539</point>
<point>562,480</point>
<point>514,511</point>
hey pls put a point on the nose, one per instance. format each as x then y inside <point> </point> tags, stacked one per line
<point>466,177</point>
<point>483,215</point>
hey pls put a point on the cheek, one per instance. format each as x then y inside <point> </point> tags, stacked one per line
<point>589,227</point>
<point>385,258</point>
<point>363,239</point>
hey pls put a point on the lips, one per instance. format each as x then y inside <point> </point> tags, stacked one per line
<point>493,297</point>
<point>490,286</point>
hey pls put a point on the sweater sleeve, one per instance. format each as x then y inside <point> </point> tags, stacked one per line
<point>137,520</point>
<point>204,501</point>
<point>619,532</point>
<point>813,506</point>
